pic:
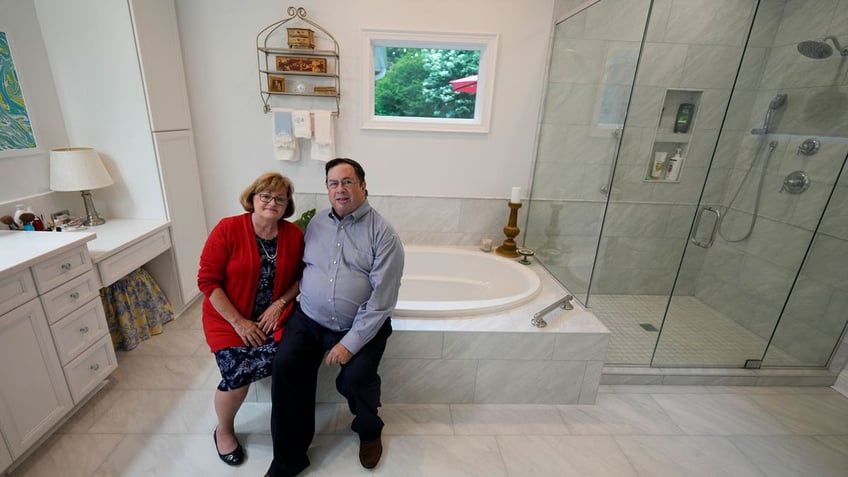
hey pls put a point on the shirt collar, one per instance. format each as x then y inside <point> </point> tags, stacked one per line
<point>357,214</point>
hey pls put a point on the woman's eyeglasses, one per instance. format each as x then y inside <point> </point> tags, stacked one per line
<point>266,198</point>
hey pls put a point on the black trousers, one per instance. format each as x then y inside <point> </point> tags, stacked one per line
<point>293,387</point>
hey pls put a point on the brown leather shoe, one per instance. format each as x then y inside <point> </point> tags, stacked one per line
<point>370,452</point>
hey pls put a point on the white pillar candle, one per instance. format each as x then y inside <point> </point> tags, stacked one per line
<point>515,198</point>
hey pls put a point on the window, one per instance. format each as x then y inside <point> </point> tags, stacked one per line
<point>428,81</point>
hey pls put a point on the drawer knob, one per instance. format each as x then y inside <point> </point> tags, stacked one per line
<point>74,295</point>
<point>66,266</point>
<point>84,329</point>
<point>95,367</point>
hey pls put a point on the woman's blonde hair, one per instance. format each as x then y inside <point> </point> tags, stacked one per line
<point>270,181</point>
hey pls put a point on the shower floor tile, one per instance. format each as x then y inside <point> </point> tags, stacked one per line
<point>695,335</point>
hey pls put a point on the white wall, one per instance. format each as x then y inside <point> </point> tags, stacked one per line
<point>22,176</point>
<point>233,136</point>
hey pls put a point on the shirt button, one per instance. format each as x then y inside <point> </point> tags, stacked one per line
<point>331,280</point>
<point>338,244</point>
<point>335,262</point>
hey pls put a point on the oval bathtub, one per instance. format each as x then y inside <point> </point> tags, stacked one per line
<point>449,281</point>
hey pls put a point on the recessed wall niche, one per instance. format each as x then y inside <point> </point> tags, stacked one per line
<point>675,128</point>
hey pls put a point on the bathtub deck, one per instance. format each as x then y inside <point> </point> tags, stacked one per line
<point>469,359</point>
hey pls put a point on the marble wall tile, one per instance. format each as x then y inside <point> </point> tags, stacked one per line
<point>574,103</point>
<point>540,382</point>
<point>616,20</point>
<point>423,380</point>
<point>591,382</point>
<point>658,21</point>
<point>804,20</point>
<point>424,214</point>
<point>581,62</point>
<point>766,24</point>
<point>662,65</point>
<point>415,344</point>
<point>510,346</point>
<point>711,66</point>
<point>580,346</point>
<point>709,22</point>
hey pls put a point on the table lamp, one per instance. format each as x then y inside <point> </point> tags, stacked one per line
<point>79,168</point>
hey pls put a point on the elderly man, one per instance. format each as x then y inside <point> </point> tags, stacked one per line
<point>353,262</point>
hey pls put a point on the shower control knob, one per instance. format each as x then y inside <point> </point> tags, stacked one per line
<point>796,182</point>
<point>809,147</point>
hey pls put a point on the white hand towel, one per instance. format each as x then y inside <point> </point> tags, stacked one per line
<point>302,123</point>
<point>323,146</point>
<point>285,144</point>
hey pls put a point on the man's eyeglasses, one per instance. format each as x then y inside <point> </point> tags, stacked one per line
<point>346,183</point>
<point>266,198</point>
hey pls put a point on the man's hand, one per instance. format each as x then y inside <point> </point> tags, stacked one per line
<point>338,355</point>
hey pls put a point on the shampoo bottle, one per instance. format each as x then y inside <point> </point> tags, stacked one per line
<point>673,168</point>
<point>659,165</point>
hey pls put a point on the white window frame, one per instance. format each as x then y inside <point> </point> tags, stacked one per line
<point>485,43</point>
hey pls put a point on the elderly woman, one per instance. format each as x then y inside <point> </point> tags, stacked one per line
<point>249,274</point>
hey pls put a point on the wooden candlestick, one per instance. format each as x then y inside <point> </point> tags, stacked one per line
<point>507,249</point>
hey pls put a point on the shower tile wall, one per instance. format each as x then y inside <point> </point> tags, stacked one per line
<point>690,44</point>
<point>749,281</point>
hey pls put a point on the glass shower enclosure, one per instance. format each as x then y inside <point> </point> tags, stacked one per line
<point>689,181</point>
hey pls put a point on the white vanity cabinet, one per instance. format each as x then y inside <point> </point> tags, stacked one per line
<point>54,342</point>
<point>139,119</point>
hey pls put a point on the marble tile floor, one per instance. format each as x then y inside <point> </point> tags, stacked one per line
<point>696,334</point>
<point>155,418</point>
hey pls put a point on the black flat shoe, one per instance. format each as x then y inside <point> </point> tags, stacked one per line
<point>235,457</point>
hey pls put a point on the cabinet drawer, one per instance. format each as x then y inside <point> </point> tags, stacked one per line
<point>127,260</point>
<point>90,368</point>
<point>79,330</point>
<point>16,290</point>
<point>68,297</point>
<point>57,270</point>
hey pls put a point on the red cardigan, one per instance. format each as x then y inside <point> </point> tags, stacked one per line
<point>230,261</point>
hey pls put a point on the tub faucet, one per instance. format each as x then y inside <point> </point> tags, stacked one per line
<point>564,303</point>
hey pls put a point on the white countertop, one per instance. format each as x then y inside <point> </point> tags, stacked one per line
<point>118,234</point>
<point>20,249</point>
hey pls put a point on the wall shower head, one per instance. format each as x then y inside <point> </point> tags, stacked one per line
<point>819,49</point>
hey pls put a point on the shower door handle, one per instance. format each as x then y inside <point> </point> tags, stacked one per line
<point>698,219</point>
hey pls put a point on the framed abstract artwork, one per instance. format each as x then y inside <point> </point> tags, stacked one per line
<point>16,132</point>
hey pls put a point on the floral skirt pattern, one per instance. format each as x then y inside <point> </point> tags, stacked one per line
<point>242,365</point>
<point>135,309</point>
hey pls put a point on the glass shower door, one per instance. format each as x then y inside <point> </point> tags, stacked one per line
<point>754,288</point>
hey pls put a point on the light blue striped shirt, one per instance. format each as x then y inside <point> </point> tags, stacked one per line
<point>352,275</point>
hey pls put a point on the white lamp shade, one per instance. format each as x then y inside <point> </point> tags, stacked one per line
<point>77,169</point>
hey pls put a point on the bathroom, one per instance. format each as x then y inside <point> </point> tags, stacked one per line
<point>779,293</point>
<point>729,57</point>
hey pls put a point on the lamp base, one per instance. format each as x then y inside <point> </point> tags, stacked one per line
<point>92,218</point>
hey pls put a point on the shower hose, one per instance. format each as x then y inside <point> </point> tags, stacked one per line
<point>772,147</point>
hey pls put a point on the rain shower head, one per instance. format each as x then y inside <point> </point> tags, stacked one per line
<point>819,49</point>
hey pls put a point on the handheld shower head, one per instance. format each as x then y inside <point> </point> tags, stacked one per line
<point>819,49</point>
<point>776,103</point>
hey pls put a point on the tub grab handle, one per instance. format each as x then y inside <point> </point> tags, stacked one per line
<point>564,303</point>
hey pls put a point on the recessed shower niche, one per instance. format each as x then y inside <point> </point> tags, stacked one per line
<point>674,132</point>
